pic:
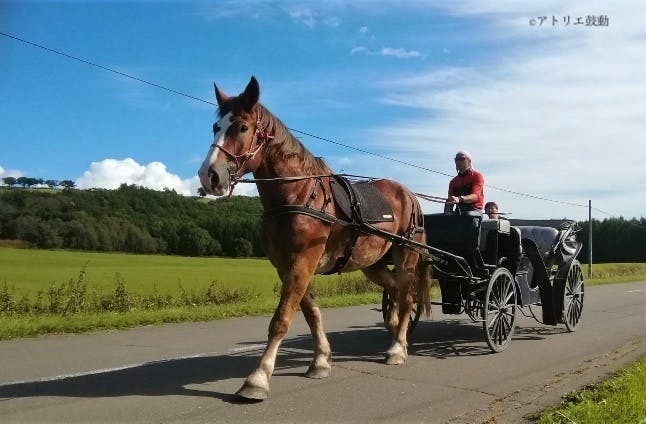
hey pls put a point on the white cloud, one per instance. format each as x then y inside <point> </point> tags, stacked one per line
<point>311,18</point>
<point>111,173</point>
<point>398,53</point>
<point>10,173</point>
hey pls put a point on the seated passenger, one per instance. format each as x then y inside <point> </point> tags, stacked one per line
<point>509,246</point>
<point>466,191</point>
<point>491,209</point>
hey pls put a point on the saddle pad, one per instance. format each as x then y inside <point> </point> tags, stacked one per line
<point>370,204</point>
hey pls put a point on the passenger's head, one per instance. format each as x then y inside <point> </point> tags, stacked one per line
<point>491,209</point>
<point>462,161</point>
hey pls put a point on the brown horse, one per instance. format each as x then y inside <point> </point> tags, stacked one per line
<point>248,138</point>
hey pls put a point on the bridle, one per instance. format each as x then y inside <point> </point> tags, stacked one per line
<point>261,136</point>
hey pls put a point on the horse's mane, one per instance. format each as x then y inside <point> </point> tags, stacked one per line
<point>286,146</point>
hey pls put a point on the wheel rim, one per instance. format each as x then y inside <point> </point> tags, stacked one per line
<point>500,311</point>
<point>573,297</point>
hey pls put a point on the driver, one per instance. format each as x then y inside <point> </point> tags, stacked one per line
<point>465,189</point>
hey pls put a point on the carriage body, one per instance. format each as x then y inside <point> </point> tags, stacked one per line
<point>489,268</point>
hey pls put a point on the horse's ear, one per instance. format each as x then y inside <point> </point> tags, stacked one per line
<point>220,96</point>
<point>250,96</point>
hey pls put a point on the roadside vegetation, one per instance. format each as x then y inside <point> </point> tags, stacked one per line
<point>619,399</point>
<point>51,291</point>
<point>54,291</point>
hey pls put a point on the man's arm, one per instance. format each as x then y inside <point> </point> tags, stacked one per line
<point>477,187</point>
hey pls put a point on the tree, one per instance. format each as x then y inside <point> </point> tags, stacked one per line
<point>51,183</point>
<point>23,181</point>
<point>67,184</point>
<point>10,181</point>
<point>201,191</point>
<point>240,247</point>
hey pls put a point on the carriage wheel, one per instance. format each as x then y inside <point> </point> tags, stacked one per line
<point>499,310</point>
<point>573,296</point>
<point>387,305</point>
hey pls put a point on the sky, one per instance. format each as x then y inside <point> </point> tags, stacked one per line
<point>548,106</point>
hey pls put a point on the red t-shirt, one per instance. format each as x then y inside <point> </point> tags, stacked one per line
<point>471,182</point>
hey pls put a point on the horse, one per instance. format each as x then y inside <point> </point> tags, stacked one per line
<point>248,138</point>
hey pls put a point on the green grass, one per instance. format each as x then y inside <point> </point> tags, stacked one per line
<point>614,273</point>
<point>50,291</point>
<point>620,399</point>
<point>30,270</point>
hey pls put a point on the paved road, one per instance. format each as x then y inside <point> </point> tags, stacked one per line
<point>188,372</point>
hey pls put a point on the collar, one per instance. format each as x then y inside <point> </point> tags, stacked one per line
<point>468,171</point>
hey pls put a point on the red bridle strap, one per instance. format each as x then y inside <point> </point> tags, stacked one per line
<point>262,137</point>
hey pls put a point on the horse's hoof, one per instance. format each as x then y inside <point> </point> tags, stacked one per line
<point>318,372</point>
<point>395,359</point>
<point>252,392</point>
<point>396,355</point>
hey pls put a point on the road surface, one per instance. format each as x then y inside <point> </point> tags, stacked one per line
<point>188,372</point>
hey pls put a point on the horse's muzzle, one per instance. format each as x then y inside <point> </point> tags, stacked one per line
<point>214,181</point>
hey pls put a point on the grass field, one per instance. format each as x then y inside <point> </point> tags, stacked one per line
<point>150,289</point>
<point>30,270</point>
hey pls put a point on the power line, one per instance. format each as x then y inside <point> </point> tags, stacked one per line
<point>105,68</point>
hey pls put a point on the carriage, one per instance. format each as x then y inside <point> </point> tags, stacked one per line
<point>490,268</point>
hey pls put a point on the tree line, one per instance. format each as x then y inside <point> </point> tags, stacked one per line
<point>139,220</point>
<point>30,182</point>
<point>132,219</point>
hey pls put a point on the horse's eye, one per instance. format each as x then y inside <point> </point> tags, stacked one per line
<point>243,128</point>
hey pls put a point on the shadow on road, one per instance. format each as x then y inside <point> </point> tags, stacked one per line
<point>438,339</point>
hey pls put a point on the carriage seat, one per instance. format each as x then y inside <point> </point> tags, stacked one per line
<point>543,237</point>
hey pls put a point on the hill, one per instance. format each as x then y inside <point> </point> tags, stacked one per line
<point>132,219</point>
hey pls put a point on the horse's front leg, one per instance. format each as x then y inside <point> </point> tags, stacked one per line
<point>320,366</point>
<point>295,281</point>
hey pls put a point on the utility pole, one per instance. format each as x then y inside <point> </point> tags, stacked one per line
<point>589,238</point>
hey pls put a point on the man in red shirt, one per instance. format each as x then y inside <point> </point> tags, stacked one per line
<point>465,189</point>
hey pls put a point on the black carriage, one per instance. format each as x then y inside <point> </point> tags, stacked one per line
<point>490,268</point>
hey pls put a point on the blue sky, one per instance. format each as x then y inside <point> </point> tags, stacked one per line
<point>556,111</point>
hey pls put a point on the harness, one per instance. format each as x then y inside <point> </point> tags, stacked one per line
<point>355,221</point>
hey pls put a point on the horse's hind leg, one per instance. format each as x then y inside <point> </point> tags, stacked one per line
<point>404,271</point>
<point>381,275</point>
<point>320,366</point>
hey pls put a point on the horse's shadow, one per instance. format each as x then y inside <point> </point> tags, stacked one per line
<point>439,339</point>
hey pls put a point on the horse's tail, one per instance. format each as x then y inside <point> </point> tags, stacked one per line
<point>424,275</point>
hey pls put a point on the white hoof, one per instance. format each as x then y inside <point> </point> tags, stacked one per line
<point>255,387</point>
<point>396,355</point>
<point>320,367</point>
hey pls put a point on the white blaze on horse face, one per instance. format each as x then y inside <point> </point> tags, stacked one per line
<point>213,154</point>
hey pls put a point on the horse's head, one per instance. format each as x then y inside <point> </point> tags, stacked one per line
<point>238,138</point>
